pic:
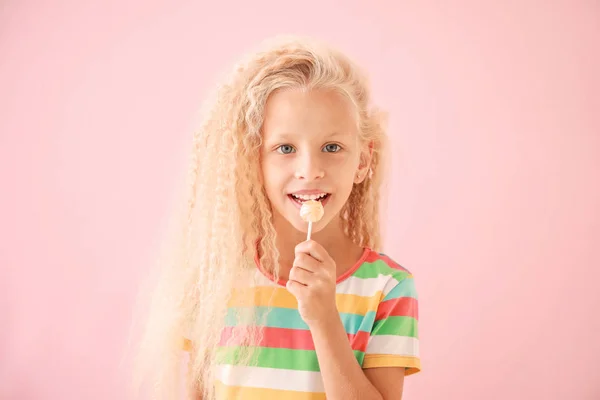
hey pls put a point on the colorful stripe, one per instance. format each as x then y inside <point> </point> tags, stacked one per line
<point>284,338</point>
<point>400,307</point>
<point>378,307</point>
<point>411,364</point>
<point>280,297</point>
<point>270,378</point>
<point>291,319</point>
<point>266,357</point>
<point>252,393</point>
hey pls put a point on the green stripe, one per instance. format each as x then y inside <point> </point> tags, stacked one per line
<point>400,326</point>
<point>405,288</point>
<point>379,267</point>
<point>266,357</point>
<point>290,318</point>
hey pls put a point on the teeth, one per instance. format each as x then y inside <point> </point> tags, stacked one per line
<point>309,196</point>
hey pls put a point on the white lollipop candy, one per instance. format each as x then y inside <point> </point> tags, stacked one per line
<point>311,211</point>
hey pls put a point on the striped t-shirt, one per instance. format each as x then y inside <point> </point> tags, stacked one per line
<point>377,302</point>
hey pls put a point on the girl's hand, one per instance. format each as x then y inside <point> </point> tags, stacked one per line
<point>312,281</point>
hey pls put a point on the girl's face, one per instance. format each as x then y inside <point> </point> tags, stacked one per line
<point>311,149</point>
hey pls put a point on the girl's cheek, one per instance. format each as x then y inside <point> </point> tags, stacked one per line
<point>342,160</point>
<point>271,161</point>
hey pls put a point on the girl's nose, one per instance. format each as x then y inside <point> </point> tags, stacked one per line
<point>309,168</point>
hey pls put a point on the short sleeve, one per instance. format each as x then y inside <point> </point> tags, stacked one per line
<point>394,340</point>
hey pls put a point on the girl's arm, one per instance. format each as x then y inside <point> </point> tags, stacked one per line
<point>342,375</point>
<point>388,380</point>
<point>312,281</point>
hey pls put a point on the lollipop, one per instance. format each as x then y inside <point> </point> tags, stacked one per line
<point>311,211</point>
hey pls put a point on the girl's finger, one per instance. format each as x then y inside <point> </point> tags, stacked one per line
<point>301,275</point>
<point>295,288</point>
<point>307,262</point>
<point>314,249</point>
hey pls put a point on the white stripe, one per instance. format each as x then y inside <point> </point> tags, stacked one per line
<point>367,287</point>
<point>392,283</point>
<point>270,378</point>
<point>393,345</point>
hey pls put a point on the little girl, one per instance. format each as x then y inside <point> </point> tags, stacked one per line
<point>262,312</point>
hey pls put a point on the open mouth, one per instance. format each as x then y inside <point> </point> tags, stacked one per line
<point>298,199</point>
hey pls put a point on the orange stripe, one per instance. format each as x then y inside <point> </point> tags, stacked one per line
<point>267,296</point>
<point>412,364</point>
<point>248,393</point>
<point>263,296</point>
<point>353,304</point>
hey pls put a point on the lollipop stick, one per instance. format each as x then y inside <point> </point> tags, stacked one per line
<point>309,230</point>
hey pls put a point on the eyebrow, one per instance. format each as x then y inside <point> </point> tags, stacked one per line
<point>288,136</point>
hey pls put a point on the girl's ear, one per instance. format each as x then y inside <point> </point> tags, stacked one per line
<point>364,167</point>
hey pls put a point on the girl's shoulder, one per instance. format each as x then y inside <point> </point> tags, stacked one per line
<point>377,264</point>
<point>376,274</point>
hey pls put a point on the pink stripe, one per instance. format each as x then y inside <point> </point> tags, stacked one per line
<point>400,307</point>
<point>285,338</point>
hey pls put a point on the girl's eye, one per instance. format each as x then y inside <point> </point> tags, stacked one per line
<point>285,149</point>
<point>332,148</point>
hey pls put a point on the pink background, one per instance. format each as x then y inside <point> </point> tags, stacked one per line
<point>494,200</point>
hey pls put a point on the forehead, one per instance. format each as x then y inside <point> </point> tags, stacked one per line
<point>308,113</point>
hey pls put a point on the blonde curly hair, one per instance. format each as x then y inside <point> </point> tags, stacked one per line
<point>226,219</point>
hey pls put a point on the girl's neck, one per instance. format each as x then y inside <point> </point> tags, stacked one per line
<point>340,247</point>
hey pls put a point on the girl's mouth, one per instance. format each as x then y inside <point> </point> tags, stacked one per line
<point>298,199</point>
